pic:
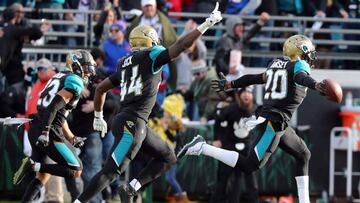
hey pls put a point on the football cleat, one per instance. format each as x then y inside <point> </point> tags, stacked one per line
<point>24,168</point>
<point>126,193</point>
<point>195,147</point>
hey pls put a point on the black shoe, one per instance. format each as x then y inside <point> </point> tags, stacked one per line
<point>192,148</point>
<point>24,168</point>
<point>126,193</point>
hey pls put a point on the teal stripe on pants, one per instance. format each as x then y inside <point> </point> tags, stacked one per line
<point>265,141</point>
<point>122,148</point>
<point>67,154</point>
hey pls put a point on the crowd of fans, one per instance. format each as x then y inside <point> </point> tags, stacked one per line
<point>185,81</point>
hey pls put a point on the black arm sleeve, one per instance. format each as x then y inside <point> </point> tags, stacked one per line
<point>251,33</point>
<point>50,112</point>
<point>247,80</point>
<point>118,13</point>
<point>304,79</point>
<point>221,60</point>
<point>33,33</point>
<point>99,27</point>
<point>114,78</point>
<point>162,59</point>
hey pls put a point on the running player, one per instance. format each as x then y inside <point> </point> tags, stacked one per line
<point>49,133</point>
<point>286,81</point>
<point>138,75</point>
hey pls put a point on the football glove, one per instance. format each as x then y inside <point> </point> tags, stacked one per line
<point>214,18</point>
<point>43,140</point>
<point>321,87</point>
<point>99,123</point>
<point>219,85</point>
<point>79,141</point>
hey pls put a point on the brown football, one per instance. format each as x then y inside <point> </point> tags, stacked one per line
<point>333,90</point>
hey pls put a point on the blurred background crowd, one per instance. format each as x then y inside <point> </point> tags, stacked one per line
<point>35,36</point>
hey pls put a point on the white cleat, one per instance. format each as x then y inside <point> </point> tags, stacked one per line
<point>195,147</point>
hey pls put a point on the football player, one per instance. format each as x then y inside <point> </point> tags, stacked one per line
<point>286,82</point>
<point>49,133</point>
<point>138,75</point>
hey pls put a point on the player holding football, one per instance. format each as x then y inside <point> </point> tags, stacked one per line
<point>138,75</point>
<point>49,133</point>
<point>286,81</point>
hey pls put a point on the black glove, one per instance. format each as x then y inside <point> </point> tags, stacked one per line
<point>79,141</point>
<point>43,140</point>
<point>219,85</point>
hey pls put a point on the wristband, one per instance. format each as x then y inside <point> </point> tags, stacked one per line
<point>98,114</point>
<point>203,27</point>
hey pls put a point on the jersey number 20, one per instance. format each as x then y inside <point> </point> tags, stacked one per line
<point>276,84</point>
<point>135,83</point>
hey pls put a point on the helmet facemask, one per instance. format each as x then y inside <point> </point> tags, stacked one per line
<point>83,65</point>
<point>309,54</point>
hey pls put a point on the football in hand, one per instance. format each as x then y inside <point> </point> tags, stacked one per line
<point>333,90</point>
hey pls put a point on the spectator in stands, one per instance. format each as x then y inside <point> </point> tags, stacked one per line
<point>230,133</point>
<point>331,9</point>
<point>115,47</point>
<point>38,5</point>
<point>203,6</point>
<point>128,5</point>
<point>108,16</point>
<point>354,12</point>
<point>161,23</point>
<point>233,42</point>
<point>11,44</point>
<point>295,8</point>
<point>70,41</point>
<point>184,61</point>
<point>167,127</point>
<point>298,8</point>
<point>202,97</point>
<point>163,85</point>
<point>174,5</point>
<point>270,7</point>
<point>242,7</point>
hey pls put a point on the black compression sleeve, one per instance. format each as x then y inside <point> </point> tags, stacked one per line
<point>114,79</point>
<point>247,80</point>
<point>56,104</point>
<point>304,79</point>
<point>162,59</point>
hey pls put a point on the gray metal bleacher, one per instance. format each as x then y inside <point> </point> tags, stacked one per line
<point>337,33</point>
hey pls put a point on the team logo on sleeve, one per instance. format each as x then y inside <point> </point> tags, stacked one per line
<point>130,124</point>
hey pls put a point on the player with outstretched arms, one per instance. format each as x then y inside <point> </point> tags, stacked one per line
<point>138,75</point>
<point>286,82</point>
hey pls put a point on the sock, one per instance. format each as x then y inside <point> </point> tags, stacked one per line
<point>226,156</point>
<point>77,201</point>
<point>32,190</point>
<point>135,184</point>
<point>302,183</point>
<point>37,166</point>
